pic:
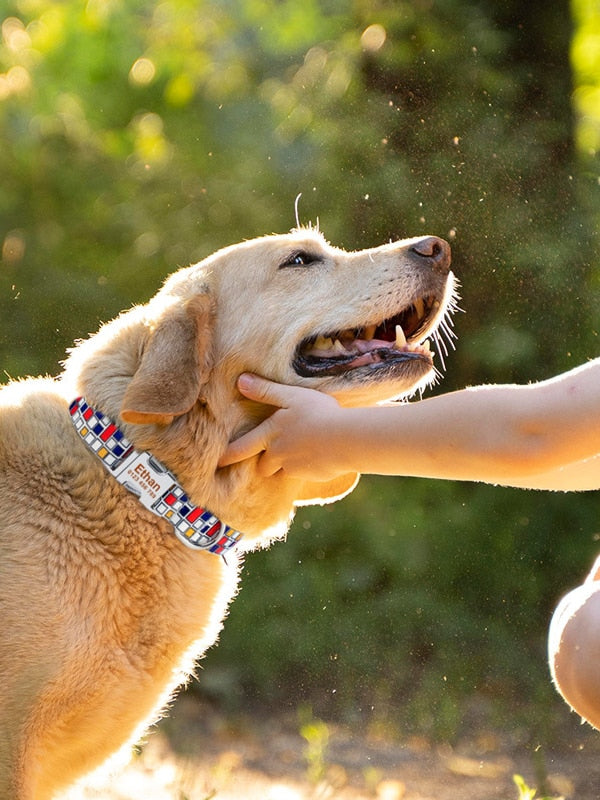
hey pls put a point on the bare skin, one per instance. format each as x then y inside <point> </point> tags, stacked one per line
<point>536,436</point>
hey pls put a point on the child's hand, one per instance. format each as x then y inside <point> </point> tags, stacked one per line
<point>291,439</point>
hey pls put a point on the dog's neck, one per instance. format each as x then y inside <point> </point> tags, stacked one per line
<point>154,485</point>
<point>192,444</point>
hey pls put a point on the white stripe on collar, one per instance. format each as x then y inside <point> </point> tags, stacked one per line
<point>151,482</point>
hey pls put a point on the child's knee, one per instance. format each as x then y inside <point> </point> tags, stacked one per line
<point>574,650</point>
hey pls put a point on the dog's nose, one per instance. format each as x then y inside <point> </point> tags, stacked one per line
<point>435,250</point>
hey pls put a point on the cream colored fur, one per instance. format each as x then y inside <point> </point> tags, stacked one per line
<point>103,611</point>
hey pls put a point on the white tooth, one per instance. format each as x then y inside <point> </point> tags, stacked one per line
<point>426,345</point>
<point>400,337</point>
<point>369,332</point>
<point>339,347</point>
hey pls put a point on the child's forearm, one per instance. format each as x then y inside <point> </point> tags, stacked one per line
<point>428,439</point>
<point>496,434</point>
<point>544,435</point>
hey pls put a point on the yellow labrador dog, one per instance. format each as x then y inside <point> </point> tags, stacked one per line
<point>113,515</point>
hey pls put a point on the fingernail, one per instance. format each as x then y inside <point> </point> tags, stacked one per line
<point>245,381</point>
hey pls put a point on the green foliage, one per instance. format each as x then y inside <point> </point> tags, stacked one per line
<point>404,603</point>
<point>139,136</point>
<point>585,58</point>
<point>527,793</point>
<point>315,732</point>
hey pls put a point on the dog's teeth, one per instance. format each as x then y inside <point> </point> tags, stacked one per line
<point>322,343</point>
<point>339,347</point>
<point>400,337</point>
<point>426,345</point>
<point>369,332</point>
<point>420,307</point>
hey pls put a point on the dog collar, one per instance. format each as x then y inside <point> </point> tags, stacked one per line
<point>151,482</point>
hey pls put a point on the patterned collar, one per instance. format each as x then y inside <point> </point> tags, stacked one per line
<point>156,488</point>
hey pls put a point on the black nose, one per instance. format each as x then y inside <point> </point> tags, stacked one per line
<point>436,250</point>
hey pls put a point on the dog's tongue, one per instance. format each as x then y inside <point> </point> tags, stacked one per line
<point>327,356</point>
<point>364,346</point>
<point>370,357</point>
<point>383,352</point>
<point>328,348</point>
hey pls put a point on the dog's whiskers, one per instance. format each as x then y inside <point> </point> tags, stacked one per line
<point>445,336</point>
<point>296,210</point>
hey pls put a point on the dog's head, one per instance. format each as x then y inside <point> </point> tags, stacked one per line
<point>297,310</point>
<point>292,308</point>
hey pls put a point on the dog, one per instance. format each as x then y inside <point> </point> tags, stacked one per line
<point>104,609</point>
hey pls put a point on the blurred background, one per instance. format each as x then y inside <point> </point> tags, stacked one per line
<point>137,137</point>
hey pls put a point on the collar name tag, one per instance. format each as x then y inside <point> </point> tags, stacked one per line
<point>151,482</point>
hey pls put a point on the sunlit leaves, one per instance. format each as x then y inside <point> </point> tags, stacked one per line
<point>585,57</point>
<point>142,72</point>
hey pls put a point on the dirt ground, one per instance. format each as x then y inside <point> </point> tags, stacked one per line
<point>200,755</point>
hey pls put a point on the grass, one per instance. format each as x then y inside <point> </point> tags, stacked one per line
<point>527,793</point>
<point>202,755</point>
<point>316,734</point>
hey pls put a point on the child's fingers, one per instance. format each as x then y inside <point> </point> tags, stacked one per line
<point>248,445</point>
<point>260,438</point>
<point>255,441</point>
<point>273,394</point>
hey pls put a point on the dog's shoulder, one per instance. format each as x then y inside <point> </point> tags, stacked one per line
<point>33,415</point>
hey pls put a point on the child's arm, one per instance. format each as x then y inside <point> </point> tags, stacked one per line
<point>541,436</point>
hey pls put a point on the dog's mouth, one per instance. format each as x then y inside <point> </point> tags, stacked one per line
<point>391,342</point>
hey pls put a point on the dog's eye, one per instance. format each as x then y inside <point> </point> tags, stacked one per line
<point>299,259</point>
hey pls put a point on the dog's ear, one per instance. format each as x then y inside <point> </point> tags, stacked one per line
<point>175,363</point>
